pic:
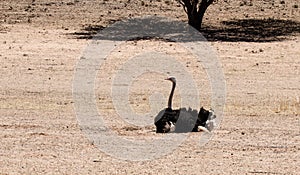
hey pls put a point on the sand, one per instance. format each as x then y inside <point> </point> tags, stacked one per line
<point>257,43</point>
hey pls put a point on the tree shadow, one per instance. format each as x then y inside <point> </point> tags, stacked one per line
<point>252,30</point>
<point>239,30</point>
<point>87,32</point>
<point>142,28</point>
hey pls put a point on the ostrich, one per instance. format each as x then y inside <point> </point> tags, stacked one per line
<point>168,120</point>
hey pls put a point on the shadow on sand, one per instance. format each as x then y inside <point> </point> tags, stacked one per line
<point>253,30</point>
<point>239,30</point>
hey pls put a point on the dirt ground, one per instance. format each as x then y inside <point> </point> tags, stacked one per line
<point>41,42</point>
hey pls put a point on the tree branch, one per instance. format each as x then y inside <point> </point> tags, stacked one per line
<point>194,5</point>
<point>210,2</point>
<point>183,5</point>
<point>188,5</point>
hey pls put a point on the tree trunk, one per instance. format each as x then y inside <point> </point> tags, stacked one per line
<point>195,20</point>
<point>196,11</point>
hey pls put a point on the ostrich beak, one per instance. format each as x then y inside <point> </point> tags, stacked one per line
<point>167,79</point>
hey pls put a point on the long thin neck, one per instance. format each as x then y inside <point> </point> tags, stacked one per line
<point>171,95</point>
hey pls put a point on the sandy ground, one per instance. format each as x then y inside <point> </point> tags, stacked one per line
<point>42,41</point>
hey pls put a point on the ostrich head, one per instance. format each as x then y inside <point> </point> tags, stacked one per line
<point>172,79</point>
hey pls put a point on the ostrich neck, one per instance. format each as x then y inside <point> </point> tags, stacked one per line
<point>171,95</point>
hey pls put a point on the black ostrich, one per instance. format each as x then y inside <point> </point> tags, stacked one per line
<point>168,120</point>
